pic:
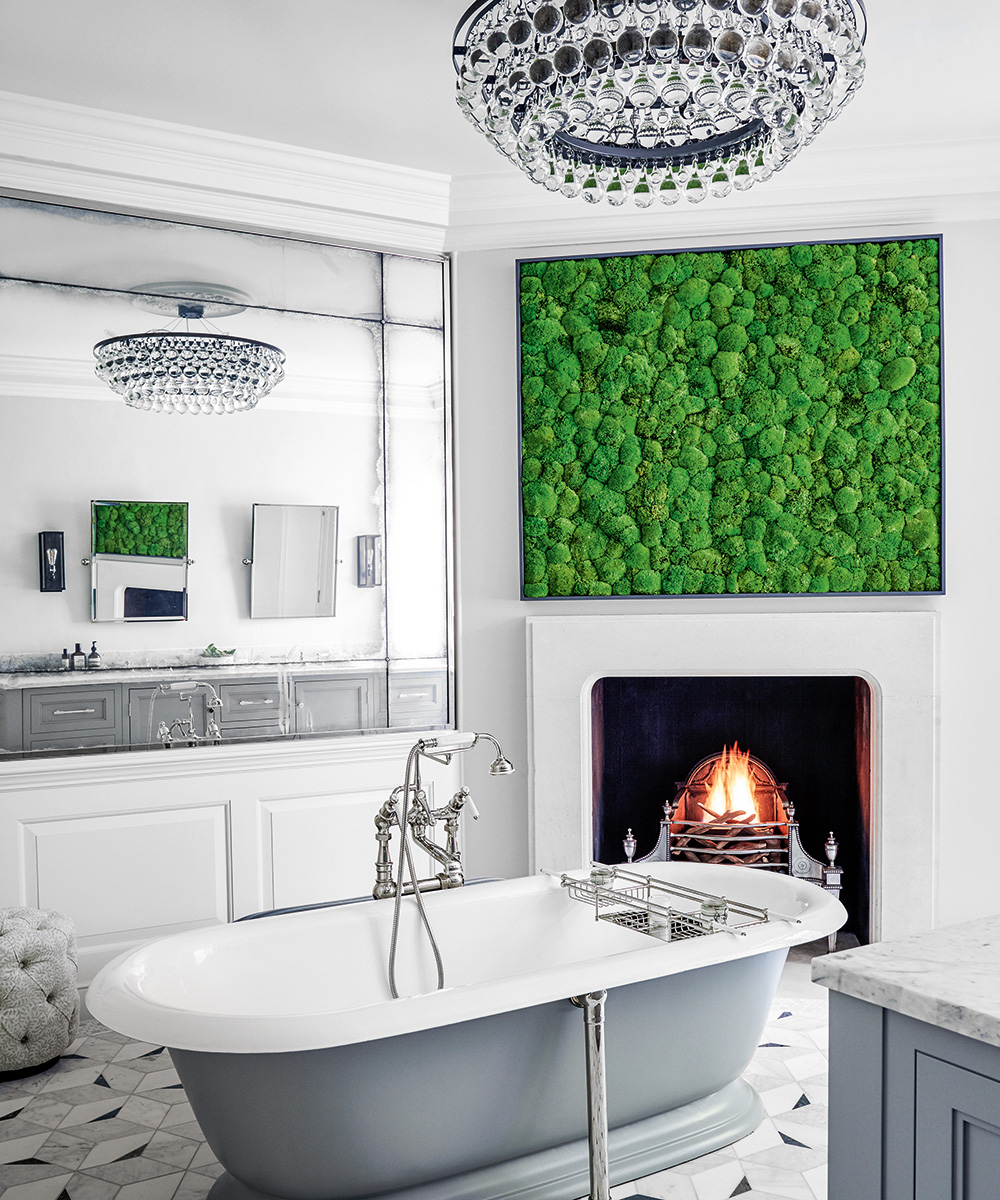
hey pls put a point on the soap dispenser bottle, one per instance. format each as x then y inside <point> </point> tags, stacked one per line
<point>93,658</point>
<point>78,660</point>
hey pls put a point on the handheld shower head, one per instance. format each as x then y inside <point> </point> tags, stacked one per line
<point>500,765</point>
<point>442,746</point>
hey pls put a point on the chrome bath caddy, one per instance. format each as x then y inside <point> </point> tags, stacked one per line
<point>667,911</point>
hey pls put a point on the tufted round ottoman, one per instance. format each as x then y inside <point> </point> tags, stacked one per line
<point>39,1002</point>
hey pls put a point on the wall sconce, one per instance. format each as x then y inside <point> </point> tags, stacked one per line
<point>51,562</point>
<point>369,560</point>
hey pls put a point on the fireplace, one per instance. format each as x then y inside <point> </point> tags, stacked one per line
<point>893,653</point>
<point>666,765</point>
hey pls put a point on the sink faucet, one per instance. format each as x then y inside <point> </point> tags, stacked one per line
<point>181,730</point>
<point>408,810</point>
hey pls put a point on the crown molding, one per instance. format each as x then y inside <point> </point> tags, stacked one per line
<point>854,189</point>
<point>31,378</point>
<point>65,151</point>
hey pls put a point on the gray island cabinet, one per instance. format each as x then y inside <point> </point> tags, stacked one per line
<point>915,1066</point>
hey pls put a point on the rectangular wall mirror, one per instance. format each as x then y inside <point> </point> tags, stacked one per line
<point>360,420</point>
<point>294,568</point>
<point>139,562</point>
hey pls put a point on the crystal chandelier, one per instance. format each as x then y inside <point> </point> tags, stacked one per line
<point>180,370</point>
<point>656,99</point>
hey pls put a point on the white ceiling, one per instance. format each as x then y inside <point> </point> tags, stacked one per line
<point>374,80</point>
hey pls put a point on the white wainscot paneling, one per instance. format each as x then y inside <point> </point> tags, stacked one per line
<point>134,847</point>
<point>322,847</point>
<point>129,876</point>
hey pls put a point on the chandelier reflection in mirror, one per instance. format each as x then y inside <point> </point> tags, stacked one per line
<point>180,370</point>
<point>655,99</point>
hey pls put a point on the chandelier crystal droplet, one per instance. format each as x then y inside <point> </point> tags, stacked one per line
<point>656,99</point>
<point>175,371</point>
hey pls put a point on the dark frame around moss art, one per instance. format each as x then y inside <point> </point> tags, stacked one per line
<point>741,421</point>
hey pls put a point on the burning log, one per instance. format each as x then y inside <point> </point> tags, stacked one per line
<point>730,816</point>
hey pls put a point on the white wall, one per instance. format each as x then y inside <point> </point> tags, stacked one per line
<point>492,684</point>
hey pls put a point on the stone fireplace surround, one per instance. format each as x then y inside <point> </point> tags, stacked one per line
<point>896,652</point>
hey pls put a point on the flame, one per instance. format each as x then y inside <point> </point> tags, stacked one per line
<point>731,788</point>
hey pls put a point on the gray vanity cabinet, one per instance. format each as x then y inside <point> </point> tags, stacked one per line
<point>914,1109</point>
<point>109,711</point>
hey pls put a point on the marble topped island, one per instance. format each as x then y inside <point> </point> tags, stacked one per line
<point>949,977</point>
<point>915,1066</point>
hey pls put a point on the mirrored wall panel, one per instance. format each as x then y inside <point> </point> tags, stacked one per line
<point>291,398</point>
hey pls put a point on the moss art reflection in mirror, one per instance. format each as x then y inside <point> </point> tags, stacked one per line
<point>140,528</point>
<point>744,421</point>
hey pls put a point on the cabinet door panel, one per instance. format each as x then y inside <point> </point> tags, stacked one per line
<point>328,705</point>
<point>957,1133</point>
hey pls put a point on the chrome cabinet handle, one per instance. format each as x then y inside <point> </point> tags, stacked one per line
<point>71,712</point>
<point>252,703</point>
<point>412,695</point>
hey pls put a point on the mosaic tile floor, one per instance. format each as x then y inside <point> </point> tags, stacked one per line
<point>110,1120</point>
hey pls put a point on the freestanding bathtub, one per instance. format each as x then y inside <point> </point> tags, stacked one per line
<point>310,1083</point>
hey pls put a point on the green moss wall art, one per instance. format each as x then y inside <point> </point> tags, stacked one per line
<point>741,421</point>
<point>140,528</point>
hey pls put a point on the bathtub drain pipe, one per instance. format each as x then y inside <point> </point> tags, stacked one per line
<point>597,1093</point>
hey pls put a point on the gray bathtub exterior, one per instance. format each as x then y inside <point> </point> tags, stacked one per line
<point>495,1108</point>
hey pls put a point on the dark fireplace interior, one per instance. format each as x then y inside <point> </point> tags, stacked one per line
<point>813,732</point>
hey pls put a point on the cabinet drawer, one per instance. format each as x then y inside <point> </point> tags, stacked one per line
<point>72,741</point>
<point>247,703</point>
<point>418,698</point>
<point>329,705</point>
<point>68,709</point>
<point>259,729</point>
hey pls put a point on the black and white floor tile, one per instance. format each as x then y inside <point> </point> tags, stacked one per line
<point>785,1157</point>
<point>111,1122</point>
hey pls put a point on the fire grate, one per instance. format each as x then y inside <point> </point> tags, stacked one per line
<point>768,839</point>
<point>667,911</point>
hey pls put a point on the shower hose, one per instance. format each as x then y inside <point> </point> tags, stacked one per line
<point>406,855</point>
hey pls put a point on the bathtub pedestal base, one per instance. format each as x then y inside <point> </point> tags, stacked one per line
<point>562,1173</point>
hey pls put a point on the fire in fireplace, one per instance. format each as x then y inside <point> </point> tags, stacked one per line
<point>731,809</point>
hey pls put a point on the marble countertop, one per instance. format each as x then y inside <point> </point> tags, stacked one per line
<point>949,977</point>
<point>208,671</point>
